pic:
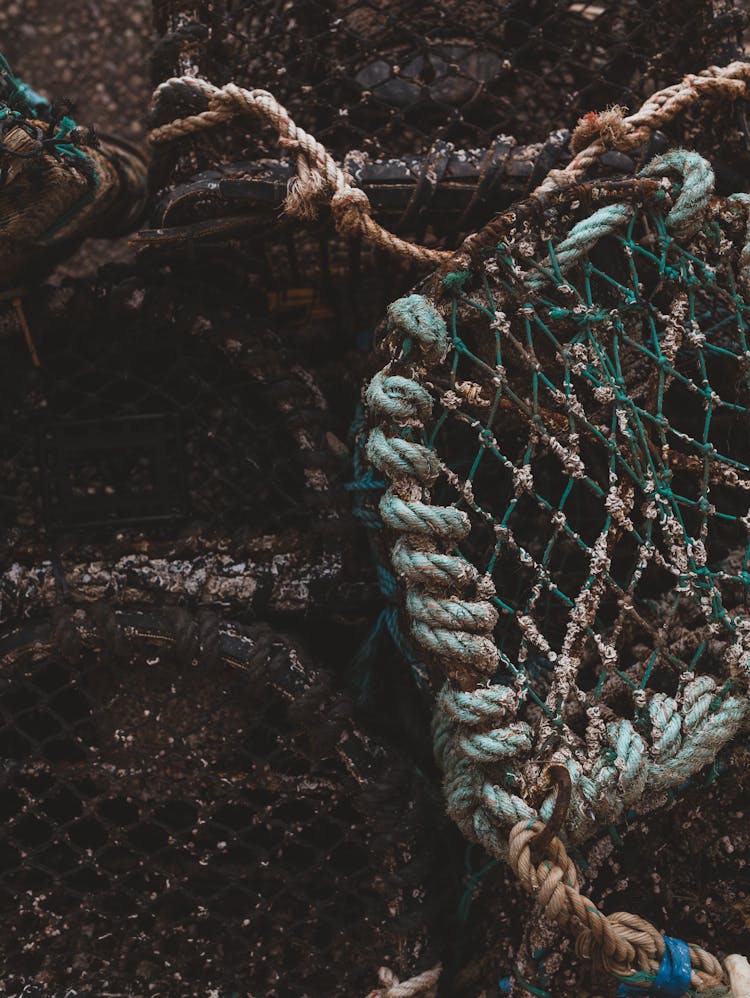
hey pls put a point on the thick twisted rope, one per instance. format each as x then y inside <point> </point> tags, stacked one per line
<point>620,944</point>
<point>596,133</point>
<point>319,178</point>
<point>479,729</point>
<point>423,985</point>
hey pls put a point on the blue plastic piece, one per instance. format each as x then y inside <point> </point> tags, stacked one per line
<point>673,978</point>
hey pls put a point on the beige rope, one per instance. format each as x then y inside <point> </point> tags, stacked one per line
<point>614,131</point>
<point>739,975</point>
<point>618,944</point>
<point>319,178</point>
<point>424,985</point>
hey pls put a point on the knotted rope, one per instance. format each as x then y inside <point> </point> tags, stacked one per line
<point>596,133</point>
<point>319,178</point>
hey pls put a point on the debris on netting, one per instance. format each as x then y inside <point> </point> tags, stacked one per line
<point>563,424</point>
<point>59,182</point>
<point>189,805</point>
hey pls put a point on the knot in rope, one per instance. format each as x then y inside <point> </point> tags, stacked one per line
<point>351,210</point>
<point>320,180</point>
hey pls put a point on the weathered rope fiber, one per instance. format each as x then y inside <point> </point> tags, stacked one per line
<point>422,985</point>
<point>319,178</point>
<point>597,133</point>
<point>612,130</point>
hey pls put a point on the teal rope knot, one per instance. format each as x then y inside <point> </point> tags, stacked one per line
<point>696,189</point>
<point>416,318</point>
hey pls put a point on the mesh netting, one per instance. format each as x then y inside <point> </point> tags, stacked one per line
<point>189,807</point>
<point>392,79</point>
<point>590,425</point>
<point>564,426</point>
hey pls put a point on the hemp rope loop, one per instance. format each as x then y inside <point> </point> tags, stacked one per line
<point>617,944</point>
<point>319,178</point>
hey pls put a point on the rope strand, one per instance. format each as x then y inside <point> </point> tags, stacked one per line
<point>319,179</point>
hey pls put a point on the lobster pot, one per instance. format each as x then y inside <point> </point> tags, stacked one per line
<point>157,422</point>
<point>444,113</point>
<point>391,80</point>
<point>182,815</point>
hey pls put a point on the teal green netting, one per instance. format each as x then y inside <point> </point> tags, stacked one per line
<point>570,484</point>
<point>630,370</point>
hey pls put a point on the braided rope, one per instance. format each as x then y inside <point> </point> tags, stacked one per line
<point>319,178</point>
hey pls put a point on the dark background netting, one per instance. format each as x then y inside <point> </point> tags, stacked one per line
<point>174,822</point>
<point>232,356</point>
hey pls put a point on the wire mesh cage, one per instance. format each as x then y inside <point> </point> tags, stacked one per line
<point>443,114</point>
<point>188,806</point>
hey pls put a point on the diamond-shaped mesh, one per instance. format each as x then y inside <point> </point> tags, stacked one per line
<point>393,78</point>
<point>181,815</point>
<point>604,424</point>
<point>586,453</point>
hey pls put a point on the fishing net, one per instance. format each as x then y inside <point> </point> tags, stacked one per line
<point>189,806</point>
<point>563,424</point>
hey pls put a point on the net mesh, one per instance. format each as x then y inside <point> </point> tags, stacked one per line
<point>586,454</point>
<point>394,79</point>
<point>180,819</point>
<point>630,362</point>
<point>604,424</point>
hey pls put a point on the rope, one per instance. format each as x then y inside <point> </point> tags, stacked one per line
<point>623,945</point>
<point>424,985</point>
<point>319,179</point>
<point>612,130</point>
<point>597,133</point>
